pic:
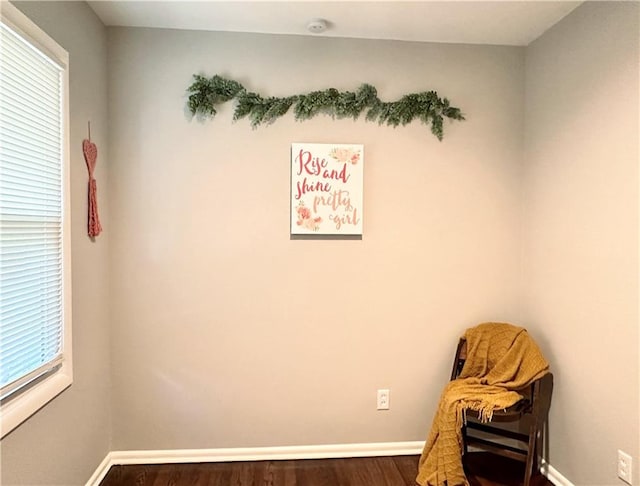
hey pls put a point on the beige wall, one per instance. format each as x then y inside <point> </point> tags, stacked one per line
<point>581,239</point>
<point>65,441</point>
<point>226,333</point>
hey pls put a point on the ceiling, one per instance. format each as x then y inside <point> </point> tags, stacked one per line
<point>469,22</point>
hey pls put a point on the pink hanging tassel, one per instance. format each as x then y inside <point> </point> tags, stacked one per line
<point>90,156</point>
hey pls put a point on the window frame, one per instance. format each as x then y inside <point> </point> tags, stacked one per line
<point>17,408</point>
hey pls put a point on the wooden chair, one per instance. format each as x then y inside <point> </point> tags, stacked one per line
<point>529,414</point>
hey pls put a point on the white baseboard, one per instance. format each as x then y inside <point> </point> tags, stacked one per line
<point>332,451</point>
<point>553,475</point>
<point>178,456</point>
<point>101,471</point>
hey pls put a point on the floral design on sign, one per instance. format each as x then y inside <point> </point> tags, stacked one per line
<point>345,155</point>
<point>305,219</point>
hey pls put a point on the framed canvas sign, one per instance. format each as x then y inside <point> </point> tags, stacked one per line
<point>326,189</point>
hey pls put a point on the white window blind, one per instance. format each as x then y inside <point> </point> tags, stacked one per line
<point>31,213</point>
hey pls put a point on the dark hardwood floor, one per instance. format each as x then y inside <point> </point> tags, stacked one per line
<point>368,471</point>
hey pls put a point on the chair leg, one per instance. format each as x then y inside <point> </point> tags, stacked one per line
<point>539,452</point>
<point>532,455</point>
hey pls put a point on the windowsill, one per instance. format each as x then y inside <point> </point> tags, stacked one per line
<point>20,408</point>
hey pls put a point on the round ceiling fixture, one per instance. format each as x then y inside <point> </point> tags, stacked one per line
<point>317,26</point>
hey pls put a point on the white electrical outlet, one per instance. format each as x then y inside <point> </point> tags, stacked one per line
<point>625,467</point>
<point>383,399</point>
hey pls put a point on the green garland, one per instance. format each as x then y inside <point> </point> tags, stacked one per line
<point>427,106</point>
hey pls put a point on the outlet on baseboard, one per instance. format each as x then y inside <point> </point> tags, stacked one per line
<point>625,467</point>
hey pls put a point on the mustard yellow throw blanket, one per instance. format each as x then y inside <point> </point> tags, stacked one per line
<point>501,359</point>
